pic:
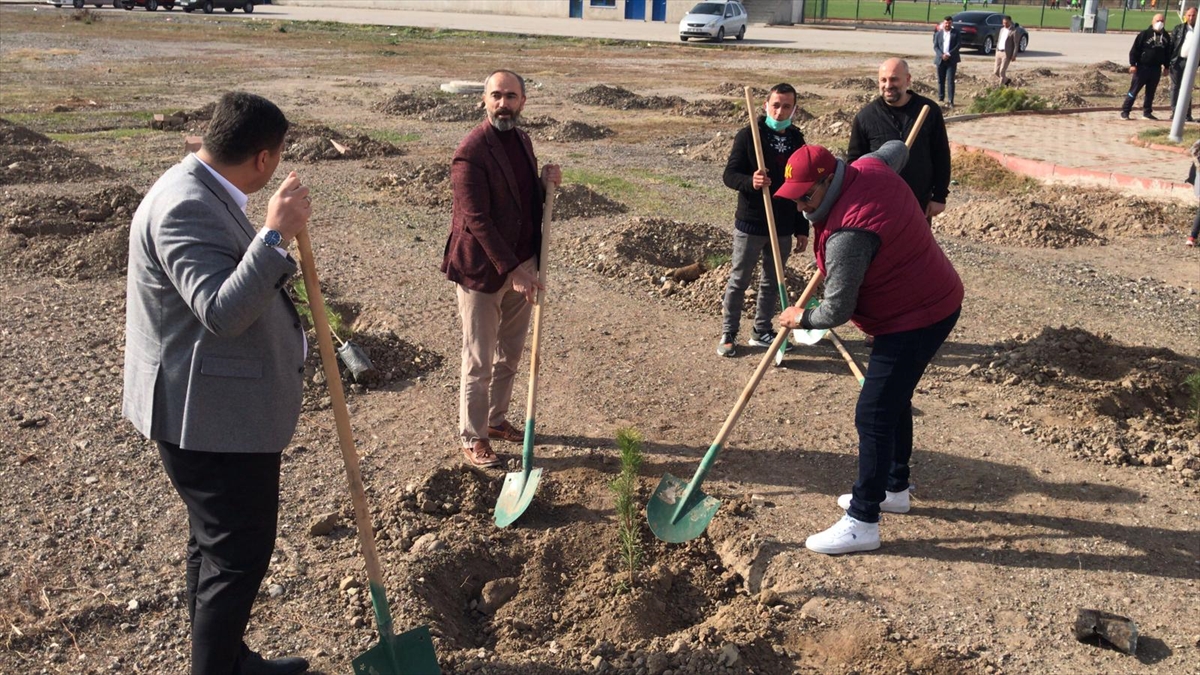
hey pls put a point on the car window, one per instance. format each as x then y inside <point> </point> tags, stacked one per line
<point>729,11</point>
<point>993,20</point>
<point>708,8</point>
<point>737,10</point>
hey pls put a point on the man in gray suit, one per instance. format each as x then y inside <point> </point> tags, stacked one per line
<point>214,363</point>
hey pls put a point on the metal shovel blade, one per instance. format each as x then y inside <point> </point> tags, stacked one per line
<point>409,653</point>
<point>807,337</point>
<point>515,495</point>
<point>357,361</point>
<point>674,522</point>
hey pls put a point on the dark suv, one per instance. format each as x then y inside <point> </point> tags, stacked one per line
<point>207,6</point>
<point>150,5</point>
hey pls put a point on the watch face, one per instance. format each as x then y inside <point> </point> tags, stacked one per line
<point>272,238</point>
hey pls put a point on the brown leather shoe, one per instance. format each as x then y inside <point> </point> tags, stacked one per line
<point>505,432</point>
<point>480,454</point>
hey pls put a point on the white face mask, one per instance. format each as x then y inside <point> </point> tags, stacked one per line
<point>1158,26</point>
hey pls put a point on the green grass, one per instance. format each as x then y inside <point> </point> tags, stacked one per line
<point>716,260</point>
<point>1030,15</point>
<point>96,120</point>
<point>1161,135</point>
<point>106,133</point>
<point>393,137</point>
<point>614,186</point>
<point>662,178</point>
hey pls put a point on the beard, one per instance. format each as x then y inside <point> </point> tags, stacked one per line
<point>893,95</point>
<point>504,123</point>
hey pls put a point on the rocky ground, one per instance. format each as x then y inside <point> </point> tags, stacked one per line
<point>1058,447</point>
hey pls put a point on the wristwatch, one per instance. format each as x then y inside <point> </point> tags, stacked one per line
<point>272,238</point>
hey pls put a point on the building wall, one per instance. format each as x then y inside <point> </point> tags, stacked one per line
<point>548,8</point>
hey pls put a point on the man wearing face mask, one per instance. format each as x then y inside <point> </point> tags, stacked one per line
<point>751,236</point>
<point>495,234</point>
<point>1148,60</point>
<point>1179,56</point>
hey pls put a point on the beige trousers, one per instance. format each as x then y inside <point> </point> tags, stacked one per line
<point>494,326</point>
<point>1002,61</point>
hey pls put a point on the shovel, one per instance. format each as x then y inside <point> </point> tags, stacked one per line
<point>519,486</point>
<point>679,511</point>
<point>411,652</point>
<point>775,253</point>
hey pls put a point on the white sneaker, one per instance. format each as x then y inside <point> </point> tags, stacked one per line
<point>846,536</point>
<point>893,502</point>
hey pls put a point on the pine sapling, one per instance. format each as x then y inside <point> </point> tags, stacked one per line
<point>1193,384</point>
<point>625,488</point>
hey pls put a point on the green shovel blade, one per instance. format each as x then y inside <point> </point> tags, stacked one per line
<point>675,522</point>
<point>410,653</point>
<point>515,495</point>
<point>811,336</point>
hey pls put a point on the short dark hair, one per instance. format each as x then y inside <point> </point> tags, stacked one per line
<point>242,126</point>
<point>520,79</point>
<point>946,18</point>
<point>784,88</point>
<point>1006,18</point>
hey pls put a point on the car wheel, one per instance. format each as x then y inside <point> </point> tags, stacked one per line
<point>720,34</point>
<point>229,9</point>
<point>187,10</point>
<point>741,33</point>
<point>151,5</point>
<point>78,4</point>
<point>248,7</point>
<point>127,5</point>
<point>683,38</point>
<point>168,6</point>
<point>1024,44</point>
<point>989,43</point>
<point>208,7</point>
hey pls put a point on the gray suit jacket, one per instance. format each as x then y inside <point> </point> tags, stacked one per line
<point>214,348</point>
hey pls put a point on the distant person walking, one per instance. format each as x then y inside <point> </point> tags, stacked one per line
<point>1179,57</point>
<point>947,41</point>
<point>1148,60</point>
<point>1006,50</point>
<point>887,8</point>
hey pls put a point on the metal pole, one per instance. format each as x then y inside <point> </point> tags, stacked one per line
<point>928,11</point>
<point>1042,21</point>
<point>856,6</point>
<point>1184,103</point>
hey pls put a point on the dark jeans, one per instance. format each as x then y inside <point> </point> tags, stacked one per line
<point>232,501</point>
<point>1176,74</point>
<point>883,416</point>
<point>748,249</point>
<point>1142,77</point>
<point>1196,226</point>
<point>946,71</point>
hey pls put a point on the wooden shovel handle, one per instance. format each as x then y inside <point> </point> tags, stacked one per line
<point>341,415</point>
<point>543,263</point>
<point>850,360</point>
<point>912,135</point>
<point>766,192</point>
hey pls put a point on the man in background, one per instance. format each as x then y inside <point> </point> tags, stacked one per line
<point>1149,58</point>
<point>1179,57</point>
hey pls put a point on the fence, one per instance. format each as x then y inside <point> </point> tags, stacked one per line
<point>1122,14</point>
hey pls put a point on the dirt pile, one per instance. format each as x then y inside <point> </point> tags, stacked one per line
<point>620,98</point>
<point>715,149</point>
<point>571,131</point>
<point>314,143</point>
<point>1061,217</point>
<point>830,125</point>
<point>1068,100</point>
<point>723,111</point>
<point>70,238</point>
<point>856,84</point>
<point>1118,403</point>
<point>1091,83</point>
<point>735,89</point>
<point>1110,67</point>
<point>426,185</point>
<point>393,358</point>
<point>575,200</point>
<point>1043,72</point>
<point>29,157</point>
<point>433,106</point>
<point>980,171</point>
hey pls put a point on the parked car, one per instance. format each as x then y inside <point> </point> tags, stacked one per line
<point>207,6</point>
<point>714,20</point>
<point>78,4</point>
<point>981,30</point>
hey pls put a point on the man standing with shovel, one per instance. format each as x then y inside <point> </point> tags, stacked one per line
<point>885,272</point>
<point>490,254</point>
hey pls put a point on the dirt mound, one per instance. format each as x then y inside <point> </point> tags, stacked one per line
<point>433,106</point>
<point>735,89</point>
<point>622,99</point>
<point>394,360</point>
<point>575,200</point>
<point>1043,72</point>
<point>313,143</point>
<point>856,84</point>
<point>1110,67</point>
<point>15,134</point>
<point>1068,100</point>
<point>29,157</point>
<point>725,111</point>
<point>1061,217</point>
<point>571,131</point>
<point>835,124</point>
<point>1119,403</point>
<point>69,238</point>
<point>425,185</point>
<point>716,149</point>
<point>1090,83</point>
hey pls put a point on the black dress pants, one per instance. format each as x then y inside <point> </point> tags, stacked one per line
<point>1147,77</point>
<point>232,501</point>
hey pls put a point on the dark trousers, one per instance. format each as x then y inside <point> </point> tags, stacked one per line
<point>946,71</point>
<point>1196,226</point>
<point>748,249</point>
<point>1147,77</point>
<point>232,501</point>
<point>1176,74</point>
<point>883,416</point>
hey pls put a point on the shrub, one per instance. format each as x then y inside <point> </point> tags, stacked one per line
<point>625,487</point>
<point>300,296</point>
<point>1006,99</point>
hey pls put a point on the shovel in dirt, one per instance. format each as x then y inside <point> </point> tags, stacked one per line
<point>411,652</point>
<point>766,193</point>
<point>679,511</point>
<point>520,486</point>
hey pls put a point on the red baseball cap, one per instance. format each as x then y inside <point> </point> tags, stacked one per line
<point>806,167</point>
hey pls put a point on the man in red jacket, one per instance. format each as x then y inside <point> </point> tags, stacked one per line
<point>885,272</point>
<point>495,234</point>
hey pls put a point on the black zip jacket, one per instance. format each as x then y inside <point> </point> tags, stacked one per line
<point>1150,49</point>
<point>1178,35</point>
<point>928,168</point>
<point>751,216</point>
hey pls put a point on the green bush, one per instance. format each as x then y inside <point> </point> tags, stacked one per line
<point>300,296</point>
<point>1006,99</point>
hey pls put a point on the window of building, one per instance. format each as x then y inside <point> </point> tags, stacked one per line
<point>604,3</point>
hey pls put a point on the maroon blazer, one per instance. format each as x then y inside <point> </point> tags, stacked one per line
<point>487,239</point>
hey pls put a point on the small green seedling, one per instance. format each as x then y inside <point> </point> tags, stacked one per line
<point>624,487</point>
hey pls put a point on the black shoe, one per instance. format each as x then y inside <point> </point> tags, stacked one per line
<point>1149,116</point>
<point>1124,115</point>
<point>1189,118</point>
<point>251,663</point>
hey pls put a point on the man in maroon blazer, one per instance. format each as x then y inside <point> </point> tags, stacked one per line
<point>495,235</point>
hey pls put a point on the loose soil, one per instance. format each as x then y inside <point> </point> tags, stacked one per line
<point>1056,460</point>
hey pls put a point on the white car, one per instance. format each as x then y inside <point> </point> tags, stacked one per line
<point>714,20</point>
<point>78,4</point>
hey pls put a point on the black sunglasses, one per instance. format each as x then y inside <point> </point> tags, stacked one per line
<point>811,191</point>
